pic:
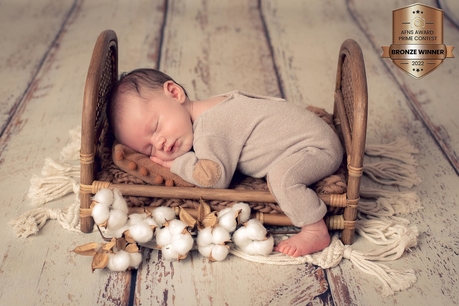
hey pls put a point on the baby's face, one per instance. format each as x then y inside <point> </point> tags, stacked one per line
<point>159,127</point>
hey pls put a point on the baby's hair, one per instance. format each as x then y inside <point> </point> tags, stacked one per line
<point>139,82</point>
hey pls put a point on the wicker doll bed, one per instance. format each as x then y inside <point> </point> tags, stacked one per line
<point>349,116</point>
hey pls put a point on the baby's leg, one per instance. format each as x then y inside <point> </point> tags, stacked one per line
<point>288,181</point>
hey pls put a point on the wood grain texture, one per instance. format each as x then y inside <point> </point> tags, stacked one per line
<point>279,48</point>
<point>196,281</point>
<point>24,48</point>
<point>212,48</point>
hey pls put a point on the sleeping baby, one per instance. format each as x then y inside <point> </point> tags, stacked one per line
<point>206,141</point>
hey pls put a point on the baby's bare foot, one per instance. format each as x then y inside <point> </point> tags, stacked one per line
<point>312,238</point>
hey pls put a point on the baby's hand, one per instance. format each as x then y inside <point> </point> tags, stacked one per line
<point>166,164</point>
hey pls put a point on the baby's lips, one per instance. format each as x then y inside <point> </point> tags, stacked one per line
<point>169,148</point>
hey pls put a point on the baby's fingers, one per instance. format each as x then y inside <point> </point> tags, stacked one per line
<point>161,162</point>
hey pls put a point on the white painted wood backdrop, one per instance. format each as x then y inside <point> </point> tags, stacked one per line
<point>272,47</point>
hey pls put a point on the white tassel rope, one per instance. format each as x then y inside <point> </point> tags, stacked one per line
<point>57,180</point>
<point>32,221</point>
<point>402,173</point>
<point>392,280</point>
<point>400,149</point>
<point>72,150</point>
<point>392,173</point>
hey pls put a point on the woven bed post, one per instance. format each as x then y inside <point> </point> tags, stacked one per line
<point>351,99</point>
<point>102,72</point>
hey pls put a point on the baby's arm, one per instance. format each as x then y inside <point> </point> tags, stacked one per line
<point>207,173</point>
<point>211,164</point>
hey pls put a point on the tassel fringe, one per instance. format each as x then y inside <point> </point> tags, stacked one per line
<point>57,180</point>
<point>72,150</point>
<point>401,150</point>
<point>391,173</point>
<point>402,173</point>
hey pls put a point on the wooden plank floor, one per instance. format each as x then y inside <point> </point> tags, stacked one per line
<point>271,47</point>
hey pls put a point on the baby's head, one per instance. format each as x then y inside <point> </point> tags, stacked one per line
<point>146,109</point>
<point>142,82</point>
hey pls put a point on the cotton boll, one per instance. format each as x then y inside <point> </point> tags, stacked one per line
<point>219,252</point>
<point>118,232</point>
<point>119,203</point>
<point>263,247</point>
<point>182,243</point>
<point>136,218</point>
<point>169,253</point>
<point>220,235</point>
<point>244,215</point>
<point>249,249</point>
<point>116,220</point>
<point>240,237</point>
<point>119,261</point>
<point>176,226</point>
<point>104,196</point>
<point>162,214</point>
<point>141,232</point>
<point>255,230</point>
<point>224,211</point>
<point>228,221</point>
<point>100,213</point>
<point>135,260</point>
<point>205,250</point>
<point>150,221</point>
<point>205,237</point>
<point>163,237</point>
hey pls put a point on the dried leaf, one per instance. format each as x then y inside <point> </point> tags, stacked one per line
<point>185,217</point>
<point>203,210</point>
<point>100,260</point>
<point>109,246</point>
<point>121,243</point>
<point>88,249</point>
<point>238,214</point>
<point>127,236</point>
<point>132,248</point>
<point>104,225</point>
<point>210,220</point>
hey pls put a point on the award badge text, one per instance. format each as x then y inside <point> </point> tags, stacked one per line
<point>417,40</point>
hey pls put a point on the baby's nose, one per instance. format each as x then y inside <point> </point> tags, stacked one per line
<point>159,143</point>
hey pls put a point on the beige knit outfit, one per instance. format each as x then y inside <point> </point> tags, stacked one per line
<point>264,137</point>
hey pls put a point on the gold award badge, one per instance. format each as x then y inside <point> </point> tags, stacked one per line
<point>417,39</point>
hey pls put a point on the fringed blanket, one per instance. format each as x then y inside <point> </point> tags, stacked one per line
<point>379,221</point>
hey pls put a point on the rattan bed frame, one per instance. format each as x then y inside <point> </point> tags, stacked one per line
<point>350,118</point>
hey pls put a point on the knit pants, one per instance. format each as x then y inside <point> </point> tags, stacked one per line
<point>289,178</point>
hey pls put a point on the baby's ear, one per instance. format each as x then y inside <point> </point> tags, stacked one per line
<point>175,90</point>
